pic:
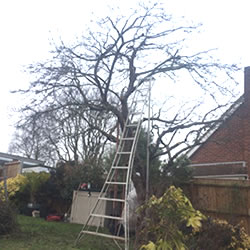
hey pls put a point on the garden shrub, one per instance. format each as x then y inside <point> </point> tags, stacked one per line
<point>170,222</point>
<point>34,182</point>
<point>8,218</point>
<point>219,234</point>
<point>55,195</point>
<point>18,192</point>
<point>23,189</point>
<point>14,185</point>
<point>167,220</point>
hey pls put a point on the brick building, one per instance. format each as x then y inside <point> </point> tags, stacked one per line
<point>225,150</point>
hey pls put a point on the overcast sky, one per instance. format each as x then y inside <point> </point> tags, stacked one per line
<point>27,27</point>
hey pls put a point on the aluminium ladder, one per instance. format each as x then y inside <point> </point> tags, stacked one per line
<point>117,186</point>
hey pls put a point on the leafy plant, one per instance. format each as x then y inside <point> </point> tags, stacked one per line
<point>34,181</point>
<point>178,171</point>
<point>219,234</point>
<point>23,189</point>
<point>55,194</point>
<point>170,173</point>
<point>8,218</point>
<point>14,185</point>
<point>168,219</point>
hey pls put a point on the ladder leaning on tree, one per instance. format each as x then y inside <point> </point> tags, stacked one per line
<point>116,188</point>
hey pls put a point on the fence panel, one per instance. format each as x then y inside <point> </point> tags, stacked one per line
<point>224,199</point>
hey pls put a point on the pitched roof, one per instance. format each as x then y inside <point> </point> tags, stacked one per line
<point>26,162</point>
<point>222,120</point>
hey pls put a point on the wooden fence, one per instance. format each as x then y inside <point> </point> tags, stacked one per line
<point>224,199</point>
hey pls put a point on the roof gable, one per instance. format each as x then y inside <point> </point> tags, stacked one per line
<point>224,117</point>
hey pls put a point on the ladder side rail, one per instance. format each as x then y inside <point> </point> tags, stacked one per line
<point>117,157</point>
<point>121,145</point>
<point>130,170</point>
<point>133,150</point>
<point>105,187</point>
<point>121,142</point>
<point>103,192</point>
<point>138,129</point>
<point>120,148</point>
<point>115,161</point>
<point>126,133</point>
<point>128,178</point>
<point>112,171</point>
<point>129,174</point>
<point>132,156</point>
<point>139,92</point>
<point>110,174</point>
<point>134,146</point>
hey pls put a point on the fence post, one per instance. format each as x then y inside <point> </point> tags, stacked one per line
<point>5,183</point>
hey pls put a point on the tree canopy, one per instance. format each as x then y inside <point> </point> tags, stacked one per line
<point>84,90</point>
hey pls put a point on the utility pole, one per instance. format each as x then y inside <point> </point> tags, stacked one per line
<point>148,141</point>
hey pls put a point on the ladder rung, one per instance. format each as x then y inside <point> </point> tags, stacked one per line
<point>115,183</point>
<point>111,199</point>
<point>103,235</point>
<point>123,153</point>
<point>107,216</point>
<point>132,125</point>
<point>135,113</point>
<point>120,167</point>
<point>128,138</point>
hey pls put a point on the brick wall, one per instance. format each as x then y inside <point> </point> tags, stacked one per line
<point>231,141</point>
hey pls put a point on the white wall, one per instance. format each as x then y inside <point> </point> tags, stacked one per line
<point>82,205</point>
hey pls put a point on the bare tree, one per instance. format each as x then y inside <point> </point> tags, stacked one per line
<point>30,140</point>
<point>63,136</point>
<point>113,59</point>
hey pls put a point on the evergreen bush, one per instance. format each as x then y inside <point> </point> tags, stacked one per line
<point>219,234</point>
<point>170,222</point>
<point>8,218</point>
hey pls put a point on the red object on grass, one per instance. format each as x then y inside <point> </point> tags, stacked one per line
<point>53,218</point>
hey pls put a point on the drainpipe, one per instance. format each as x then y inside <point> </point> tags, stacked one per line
<point>246,118</point>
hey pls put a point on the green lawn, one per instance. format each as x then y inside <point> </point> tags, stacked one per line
<point>36,233</point>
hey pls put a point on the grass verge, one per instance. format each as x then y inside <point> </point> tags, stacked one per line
<point>38,234</point>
